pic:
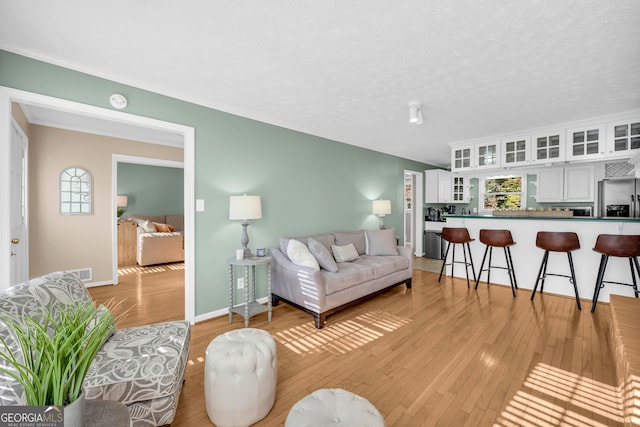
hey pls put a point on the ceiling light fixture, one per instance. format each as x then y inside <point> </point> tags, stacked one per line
<point>118,101</point>
<point>415,113</point>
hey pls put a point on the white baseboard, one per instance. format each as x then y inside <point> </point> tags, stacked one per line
<point>221,312</point>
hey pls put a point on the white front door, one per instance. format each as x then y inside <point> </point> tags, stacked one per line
<point>19,238</point>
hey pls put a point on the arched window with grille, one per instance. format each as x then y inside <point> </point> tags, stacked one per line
<point>75,191</point>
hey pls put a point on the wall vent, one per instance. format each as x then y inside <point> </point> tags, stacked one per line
<point>84,274</point>
<point>617,169</point>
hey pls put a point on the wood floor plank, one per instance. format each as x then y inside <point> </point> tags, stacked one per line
<point>437,354</point>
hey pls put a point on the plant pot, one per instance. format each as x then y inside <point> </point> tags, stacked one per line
<point>74,412</point>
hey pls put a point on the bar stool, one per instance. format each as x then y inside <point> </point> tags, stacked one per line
<point>498,239</point>
<point>457,236</point>
<point>616,245</point>
<point>557,242</point>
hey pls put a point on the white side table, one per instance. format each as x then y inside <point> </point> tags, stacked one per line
<point>250,307</point>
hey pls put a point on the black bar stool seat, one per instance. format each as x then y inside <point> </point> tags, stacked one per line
<point>557,241</point>
<point>457,235</point>
<point>621,246</point>
<point>498,239</point>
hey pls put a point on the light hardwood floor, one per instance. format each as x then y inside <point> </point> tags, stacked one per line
<point>437,354</point>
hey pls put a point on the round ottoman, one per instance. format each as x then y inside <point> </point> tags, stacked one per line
<point>334,407</point>
<point>240,377</point>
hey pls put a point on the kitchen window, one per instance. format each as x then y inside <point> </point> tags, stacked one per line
<point>502,192</point>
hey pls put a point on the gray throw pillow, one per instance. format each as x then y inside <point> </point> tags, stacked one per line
<point>381,242</point>
<point>322,254</point>
<point>299,254</point>
<point>345,253</point>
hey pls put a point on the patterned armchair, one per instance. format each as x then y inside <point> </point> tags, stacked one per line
<point>142,367</point>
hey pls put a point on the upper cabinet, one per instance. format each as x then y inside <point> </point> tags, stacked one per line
<point>462,157</point>
<point>437,186</point>
<point>568,184</point>
<point>548,147</point>
<point>623,137</point>
<point>487,155</point>
<point>586,142</point>
<point>516,151</point>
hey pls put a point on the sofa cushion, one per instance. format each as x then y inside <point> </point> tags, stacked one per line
<point>327,239</point>
<point>177,221</point>
<point>140,363</point>
<point>355,237</point>
<point>349,274</point>
<point>323,255</point>
<point>345,253</point>
<point>381,242</point>
<point>384,265</point>
<point>300,255</point>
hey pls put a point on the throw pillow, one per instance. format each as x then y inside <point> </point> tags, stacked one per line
<point>322,254</point>
<point>148,227</point>
<point>355,237</point>
<point>164,228</point>
<point>381,242</point>
<point>345,253</point>
<point>299,254</point>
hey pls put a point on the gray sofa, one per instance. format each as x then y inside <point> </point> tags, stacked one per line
<point>142,367</point>
<point>378,265</point>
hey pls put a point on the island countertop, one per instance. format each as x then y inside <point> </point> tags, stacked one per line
<point>527,257</point>
<point>546,218</point>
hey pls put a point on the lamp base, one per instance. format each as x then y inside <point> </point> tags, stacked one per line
<point>244,240</point>
<point>381,218</point>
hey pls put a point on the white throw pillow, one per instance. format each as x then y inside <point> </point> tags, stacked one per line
<point>346,253</point>
<point>381,242</point>
<point>300,255</point>
<point>148,227</point>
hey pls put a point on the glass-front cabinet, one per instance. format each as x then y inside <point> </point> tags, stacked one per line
<point>623,138</point>
<point>460,193</point>
<point>515,151</point>
<point>585,143</point>
<point>487,155</point>
<point>461,157</point>
<point>548,147</point>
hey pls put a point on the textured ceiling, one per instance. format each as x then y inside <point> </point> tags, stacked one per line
<point>347,70</point>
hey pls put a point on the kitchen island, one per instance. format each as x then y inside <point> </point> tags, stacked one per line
<point>527,257</point>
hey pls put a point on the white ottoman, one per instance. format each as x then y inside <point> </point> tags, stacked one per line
<point>334,407</point>
<point>240,377</point>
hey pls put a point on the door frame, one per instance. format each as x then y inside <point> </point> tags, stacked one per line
<point>10,95</point>
<point>418,208</point>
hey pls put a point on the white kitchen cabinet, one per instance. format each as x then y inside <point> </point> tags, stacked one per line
<point>437,186</point>
<point>586,142</point>
<point>548,147</point>
<point>516,151</point>
<point>487,155</point>
<point>623,138</point>
<point>460,189</point>
<point>570,184</point>
<point>462,158</point>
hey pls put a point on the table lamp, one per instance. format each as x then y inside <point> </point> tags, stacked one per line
<point>245,208</point>
<point>381,208</point>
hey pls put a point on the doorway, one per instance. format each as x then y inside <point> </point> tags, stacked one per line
<point>413,195</point>
<point>112,119</point>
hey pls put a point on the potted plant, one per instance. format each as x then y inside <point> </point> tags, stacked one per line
<point>56,348</point>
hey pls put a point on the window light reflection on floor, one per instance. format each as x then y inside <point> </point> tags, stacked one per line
<point>554,397</point>
<point>134,269</point>
<point>340,337</point>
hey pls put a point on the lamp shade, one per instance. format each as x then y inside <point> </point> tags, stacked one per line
<point>245,207</point>
<point>381,207</point>
<point>122,201</point>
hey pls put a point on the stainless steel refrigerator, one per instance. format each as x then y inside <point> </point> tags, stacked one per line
<point>619,198</point>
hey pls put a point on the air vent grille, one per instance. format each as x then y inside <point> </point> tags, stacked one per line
<point>84,274</point>
<point>617,169</point>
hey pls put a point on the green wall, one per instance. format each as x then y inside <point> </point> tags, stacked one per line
<point>307,184</point>
<point>151,190</point>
